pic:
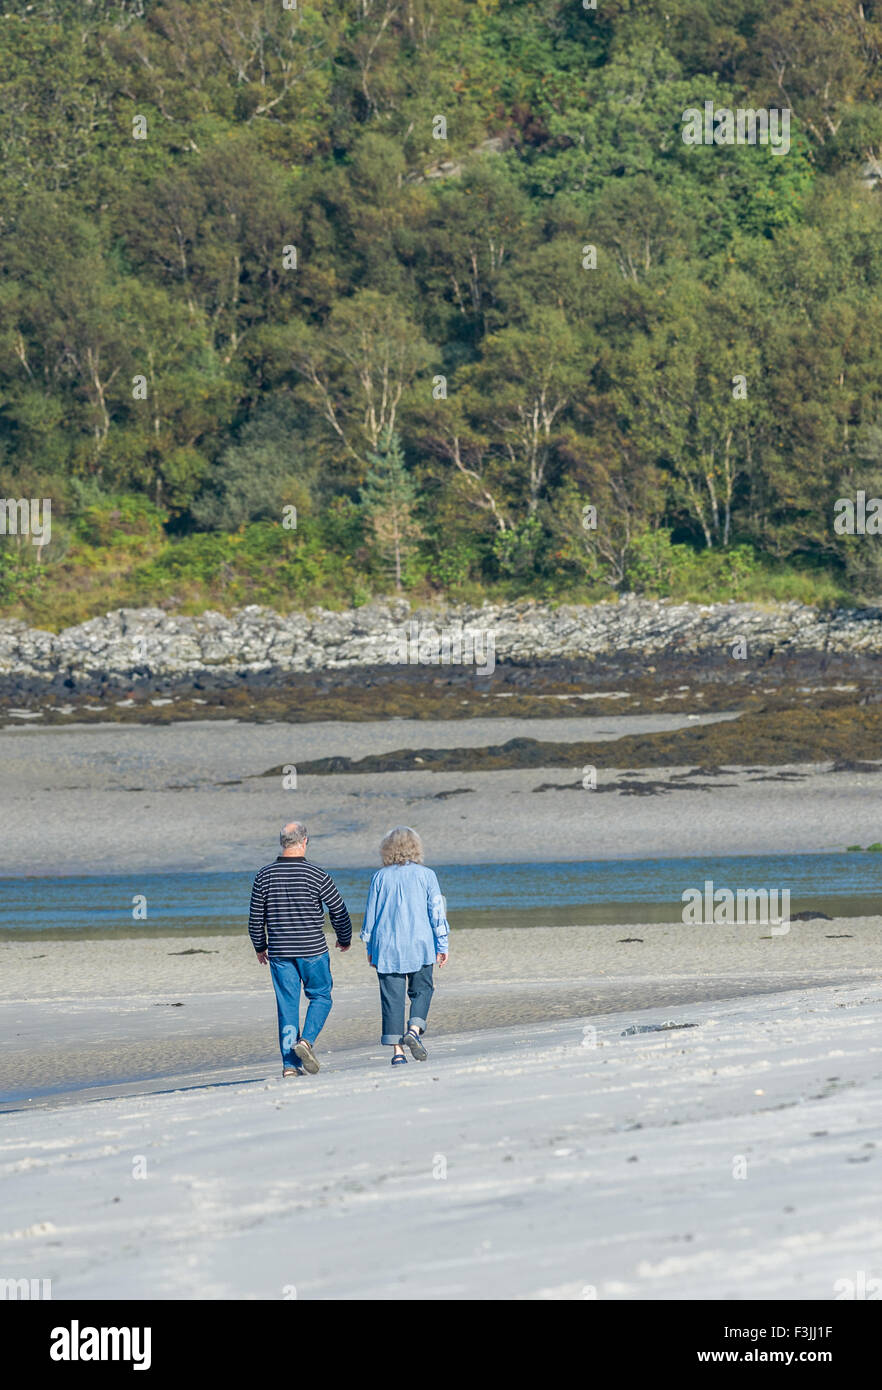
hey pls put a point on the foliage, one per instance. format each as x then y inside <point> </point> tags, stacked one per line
<point>291,294</point>
<point>388,500</point>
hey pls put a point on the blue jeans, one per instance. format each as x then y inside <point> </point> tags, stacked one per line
<point>314,974</point>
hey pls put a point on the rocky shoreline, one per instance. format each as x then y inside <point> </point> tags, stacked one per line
<point>149,644</point>
<point>387,659</point>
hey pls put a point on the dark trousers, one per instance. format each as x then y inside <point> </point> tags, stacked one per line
<point>419,988</point>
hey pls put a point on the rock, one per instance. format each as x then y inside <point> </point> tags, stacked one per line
<point>666,1027</point>
<point>148,644</point>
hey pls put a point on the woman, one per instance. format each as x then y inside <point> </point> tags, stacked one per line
<point>405,930</point>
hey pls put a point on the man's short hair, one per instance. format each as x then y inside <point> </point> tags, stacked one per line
<point>293,834</point>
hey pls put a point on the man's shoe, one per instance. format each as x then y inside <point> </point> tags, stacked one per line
<point>291,1071</point>
<point>304,1051</point>
<point>411,1039</point>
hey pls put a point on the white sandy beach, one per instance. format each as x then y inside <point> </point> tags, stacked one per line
<point>542,1152</point>
<point>737,1159</point>
<point>191,796</point>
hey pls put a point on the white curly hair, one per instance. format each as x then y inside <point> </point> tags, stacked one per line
<point>402,846</point>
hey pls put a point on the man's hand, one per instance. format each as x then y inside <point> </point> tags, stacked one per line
<point>263,957</point>
<point>441,959</point>
<point>343,948</point>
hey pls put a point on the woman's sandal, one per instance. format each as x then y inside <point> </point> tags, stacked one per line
<point>398,1058</point>
<point>412,1040</point>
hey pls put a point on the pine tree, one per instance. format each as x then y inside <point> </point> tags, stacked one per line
<point>388,498</point>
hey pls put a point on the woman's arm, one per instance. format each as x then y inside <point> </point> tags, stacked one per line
<point>437,910</point>
<point>370,917</point>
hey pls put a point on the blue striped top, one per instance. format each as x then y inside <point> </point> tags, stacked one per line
<point>288,902</point>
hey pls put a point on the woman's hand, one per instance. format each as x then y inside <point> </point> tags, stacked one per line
<point>441,959</point>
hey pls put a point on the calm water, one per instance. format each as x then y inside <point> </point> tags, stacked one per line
<point>493,894</point>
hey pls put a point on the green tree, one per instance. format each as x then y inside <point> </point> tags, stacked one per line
<point>388,500</point>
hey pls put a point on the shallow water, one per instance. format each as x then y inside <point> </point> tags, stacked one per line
<point>613,891</point>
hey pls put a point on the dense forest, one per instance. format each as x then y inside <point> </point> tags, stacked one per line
<point>308,302</point>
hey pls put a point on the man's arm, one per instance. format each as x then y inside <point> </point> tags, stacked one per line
<point>257,917</point>
<point>337,911</point>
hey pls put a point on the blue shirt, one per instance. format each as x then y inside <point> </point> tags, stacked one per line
<point>405,920</point>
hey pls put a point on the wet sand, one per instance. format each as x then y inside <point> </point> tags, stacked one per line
<point>94,1014</point>
<point>192,796</point>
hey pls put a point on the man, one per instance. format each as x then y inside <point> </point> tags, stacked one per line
<point>286,926</point>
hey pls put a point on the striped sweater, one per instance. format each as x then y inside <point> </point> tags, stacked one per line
<point>288,904</point>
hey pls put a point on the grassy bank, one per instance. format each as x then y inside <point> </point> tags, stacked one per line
<point>121,555</point>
